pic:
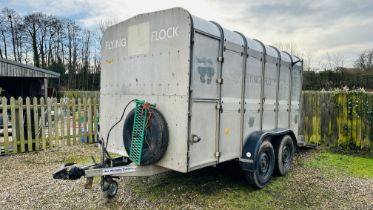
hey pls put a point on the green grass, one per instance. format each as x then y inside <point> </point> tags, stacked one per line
<point>225,186</point>
<point>241,196</point>
<point>341,163</point>
<point>220,187</point>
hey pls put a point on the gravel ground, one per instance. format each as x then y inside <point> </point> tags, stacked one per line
<point>27,183</point>
<point>325,189</point>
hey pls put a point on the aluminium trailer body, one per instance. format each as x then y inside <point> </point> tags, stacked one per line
<point>199,77</point>
<point>222,95</point>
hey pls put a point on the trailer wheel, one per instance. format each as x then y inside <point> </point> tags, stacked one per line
<point>155,137</point>
<point>266,163</point>
<point>110,188</point>
<point>284,152</point>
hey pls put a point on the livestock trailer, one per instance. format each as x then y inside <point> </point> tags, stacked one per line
<point>181,93</point>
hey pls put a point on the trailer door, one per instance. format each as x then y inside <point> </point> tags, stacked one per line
<point>270,86</point>
<point>284,94</point>
<point>204,101</point>
<point>296,88</point>
<point>231,89</point>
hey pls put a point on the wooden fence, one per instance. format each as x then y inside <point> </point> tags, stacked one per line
<point>334,119</point>
<point>40,124</point>
<point>338,119</point>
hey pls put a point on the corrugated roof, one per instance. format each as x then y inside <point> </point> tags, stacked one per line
<point>10,68</point>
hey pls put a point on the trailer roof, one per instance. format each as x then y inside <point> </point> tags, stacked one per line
<point>10,68</point>
<point>212,28</point>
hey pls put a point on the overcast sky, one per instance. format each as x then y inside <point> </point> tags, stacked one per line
<point>318,28</point>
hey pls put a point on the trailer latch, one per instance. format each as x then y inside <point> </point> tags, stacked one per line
<point>220,80</point>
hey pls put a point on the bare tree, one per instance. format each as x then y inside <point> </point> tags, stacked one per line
<point>55,43</point>
<point>11,15</point>
<point>307,60</point>
<point>365,61</point>
<point>12,28</point>
<point>104,24</point>
<point>45,23</point>
<point>335,61</point>
<point>338,60</point>
<point>290,47</point>
<point>3,31</point>
<point>85,51</point>
<point>32,27</point>
<point>73,31</point>
<point>58,28</point>
<point>20,38</point>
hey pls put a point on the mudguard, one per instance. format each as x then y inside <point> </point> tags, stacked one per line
<point>254,140</point>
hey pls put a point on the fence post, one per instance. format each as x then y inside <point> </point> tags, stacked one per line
<point>74,121</point>
<point>345,128</point>
<point>50,129</point>
<point>56,121</point>
<point>28,121</point>
<point>85,134</point>
<point>79,119</point>
<point>306,104</point>
<point>62,114</point>
<point>42,123</point>
<point>90,126</point>
<point>318,122</point>
<point>14,125</point>
<point>68,131</point>
<point>95,119</point>
<point>5,124</point>
<point>21,124</point>
<point>36,123</point>
<point>367,107</point>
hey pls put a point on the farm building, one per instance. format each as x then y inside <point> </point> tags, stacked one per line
<point>20,80</point>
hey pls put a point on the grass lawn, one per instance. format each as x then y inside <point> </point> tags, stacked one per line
<point>349,165</point>
<point>225,187</point>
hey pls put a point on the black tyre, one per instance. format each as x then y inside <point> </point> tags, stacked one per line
<point>266,163</point>
<point>284,152</point>
<point>155,137</point>
<point>110,189</point>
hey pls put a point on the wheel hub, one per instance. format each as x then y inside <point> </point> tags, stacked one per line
<point>286,155</point>
<point>264,164</point>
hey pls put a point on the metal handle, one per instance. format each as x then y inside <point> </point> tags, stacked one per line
<point>195,138</point>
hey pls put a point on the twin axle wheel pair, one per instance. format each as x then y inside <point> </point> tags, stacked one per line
<point>273,158</point>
